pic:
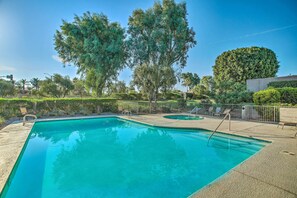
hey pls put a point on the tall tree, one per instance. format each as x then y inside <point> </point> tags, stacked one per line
<point>57,86</point>
<point>117,87</point>
<point>6,88</point>
<point>49,88</point>
<point>22,85</point>
<point>160,38</point>
<point>65,85</point>
<point>209,84</point>
<point>190,80</point>
<point>143,80</point>
<point>79,87</point>
<point>230,92</point>
<point>35,83</point>
<point>245,63</point>
<point>95,45</point>
<point>168,79</point>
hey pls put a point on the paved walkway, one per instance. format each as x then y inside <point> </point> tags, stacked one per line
<point>270,173</point>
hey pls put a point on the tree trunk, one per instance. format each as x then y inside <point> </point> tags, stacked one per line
<point>150,103</point>
<point>155,99</point>
<point>99,90</point>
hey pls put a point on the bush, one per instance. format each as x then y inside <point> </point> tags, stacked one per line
<point>281,84</point>
<point>267,96</point>
<point>288,95</point>
<point>2,120</point>
<point>129,96</point>
<point>181,103</point>
<point>170,95</point>
<point>53,106</point>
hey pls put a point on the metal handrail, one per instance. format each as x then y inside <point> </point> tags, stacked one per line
<point>229,127</point>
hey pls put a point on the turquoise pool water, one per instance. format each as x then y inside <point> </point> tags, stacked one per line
<point>183,117</point>
<point>110,157</point>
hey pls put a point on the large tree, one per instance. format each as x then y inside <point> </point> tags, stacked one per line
<point>79,87</point>
<point>160,38</point>
<point>22,85</point>
<point>95,45</point>
<point>6,88</point>
<point>116,87</point>
<point>143,80</point>
<point>209,84</point>
<point>35,83</point>
<point>230,92</point>
<point>65,85</point>
<point>56,86</point>
<point>245,63</point>
<point>190,80</point>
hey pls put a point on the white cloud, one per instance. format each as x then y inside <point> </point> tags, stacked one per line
<point>6,68</point>
<point>57,58</point>
<point>268,31</point>
<point>255,34</point>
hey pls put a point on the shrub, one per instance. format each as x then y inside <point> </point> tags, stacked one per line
<point>288,95</point>
<point>181,103</point>
<point>267,96</point>
<point>47,106</point>
<point>2,120</point>
<point>281,84</point>
<point>129,96</point>
<point>170,95</point>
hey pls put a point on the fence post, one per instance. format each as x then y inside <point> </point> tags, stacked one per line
<point>274,113</point>
<point>229,122</point>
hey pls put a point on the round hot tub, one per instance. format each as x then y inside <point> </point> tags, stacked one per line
<point>183,117</point>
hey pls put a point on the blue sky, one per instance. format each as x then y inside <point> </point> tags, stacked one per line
<point>27,28</point>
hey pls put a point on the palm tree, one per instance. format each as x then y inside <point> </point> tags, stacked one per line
<point>23,85</point>
<point>35,83</point>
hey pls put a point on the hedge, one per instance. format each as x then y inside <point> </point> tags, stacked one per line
<point>52,106</point>
<point>281,84</point>
<point>288,95</point>
<point>129,96</point>
<point>267,96</point>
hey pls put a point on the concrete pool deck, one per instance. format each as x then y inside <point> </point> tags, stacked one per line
<point>270,173</point>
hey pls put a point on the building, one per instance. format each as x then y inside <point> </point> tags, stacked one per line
<point>258,84</point>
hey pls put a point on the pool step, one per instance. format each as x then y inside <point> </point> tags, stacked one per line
<point>237,143</point>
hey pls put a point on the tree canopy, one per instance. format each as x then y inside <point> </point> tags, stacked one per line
<point>35,83</point>
<point>245,63</point>
<point>57,86</point>
<point>190,80</point>
<point>6,88</point>
<point>95,45</point>
<point>230,92</point>
<point>160,38</point>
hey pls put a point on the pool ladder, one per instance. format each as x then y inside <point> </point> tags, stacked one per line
<point>227,114</point>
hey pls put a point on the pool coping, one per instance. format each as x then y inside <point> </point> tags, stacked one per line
<point>211,189</point>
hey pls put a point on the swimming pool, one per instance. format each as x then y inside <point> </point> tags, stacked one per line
<point>183,117</point>
<point>111,157</point>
